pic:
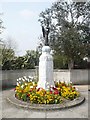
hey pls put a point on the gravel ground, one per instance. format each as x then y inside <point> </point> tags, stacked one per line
<point>11,111</point>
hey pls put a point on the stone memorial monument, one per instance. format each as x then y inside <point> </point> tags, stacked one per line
<point>46,64</point>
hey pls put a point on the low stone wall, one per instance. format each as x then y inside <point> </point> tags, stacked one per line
<point>79,76</point>
<point>62,75</point>
<point>9,77</point>
<point>76,76</point>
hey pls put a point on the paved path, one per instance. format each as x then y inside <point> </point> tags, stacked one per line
<point>11,111</point>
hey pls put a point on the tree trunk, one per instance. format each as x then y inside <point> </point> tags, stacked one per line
<point>70,64</point>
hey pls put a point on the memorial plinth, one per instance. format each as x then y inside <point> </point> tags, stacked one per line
<point>45,69</point>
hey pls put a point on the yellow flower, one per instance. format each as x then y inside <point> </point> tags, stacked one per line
<point>17,87</point>
<point>47,101</point>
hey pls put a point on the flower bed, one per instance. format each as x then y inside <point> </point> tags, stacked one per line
<point>27,90</point>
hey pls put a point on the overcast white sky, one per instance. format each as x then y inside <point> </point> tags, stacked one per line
<point>21,22</point>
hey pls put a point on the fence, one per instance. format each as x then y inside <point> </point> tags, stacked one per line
<point>9,77</point>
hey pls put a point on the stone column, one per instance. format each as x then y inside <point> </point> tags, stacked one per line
<point>45,69</point>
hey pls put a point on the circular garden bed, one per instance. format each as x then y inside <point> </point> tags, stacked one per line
<point>62,95</point>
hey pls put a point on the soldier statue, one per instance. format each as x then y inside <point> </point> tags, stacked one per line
<point>45,34</point>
